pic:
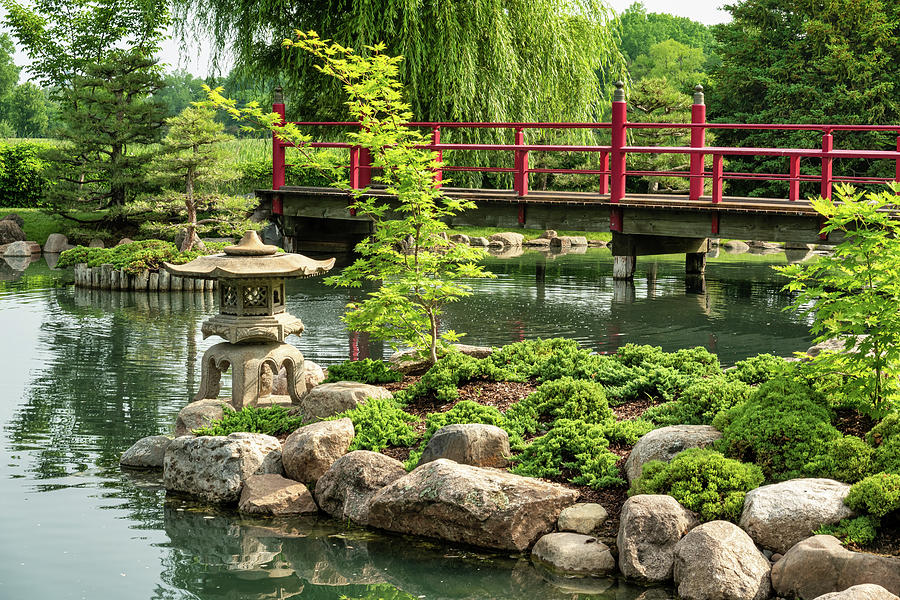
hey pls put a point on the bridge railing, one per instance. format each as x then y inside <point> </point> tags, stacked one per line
<point>612,172</point>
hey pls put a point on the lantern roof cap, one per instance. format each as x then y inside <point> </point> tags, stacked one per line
<point>250,258</point>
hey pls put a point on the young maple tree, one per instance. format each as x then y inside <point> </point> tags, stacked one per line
<point>419,270</point>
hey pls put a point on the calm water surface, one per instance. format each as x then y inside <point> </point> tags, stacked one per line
<point>86,374</point>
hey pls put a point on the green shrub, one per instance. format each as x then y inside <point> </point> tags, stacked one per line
<point>784,427</point>
<point>849,459</point>
<point>876,495</point>
<point>703,481</point>
<point>365,371</point>
<point>697,361</point>
<point>464,412</point>
<point>885,437</point>
<point>380,423</point>
<point>700,402</point>
<point>22,180</point>
<point>133,257</point>
<point>627,432</point>
<point>270,420</point>
<point>758,369</point>
<point>564,398</point>
<point>540,359</point>
<point>887,428</point>
<point>860,531</point>
<point>450,371</point>
<point>572,449</point>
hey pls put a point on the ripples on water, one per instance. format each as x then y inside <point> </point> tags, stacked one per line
<point>87,373</point>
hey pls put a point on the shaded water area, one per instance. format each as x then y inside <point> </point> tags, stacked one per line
<point>85,374</point>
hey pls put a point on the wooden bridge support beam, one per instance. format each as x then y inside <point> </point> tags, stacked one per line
<point>626,248</point>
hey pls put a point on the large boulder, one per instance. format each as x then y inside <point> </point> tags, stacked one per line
<point>478,242</point>
<point>312,449</point>
<point>820,565</point>
<point>574,553</point>
<point>15,218</point>
<point>272,494</point>
<point>508,239</point>
<point>345,489</point>
<point>461,503</point>
<point>469,444</point>
<point>181,235</point>
<point>650,526</point>
<point>146,453</point>
<point>216,467</point>
<point>735,247</point>
<point>865,591</point>
<point>460,238</point>
<point>56,243</point>
<point>664,443</point>
<point>329,399</point>
<point>22,248</point>
<point>719,561</point>
<point>583,517</point>
<point>778,516</point>
<point>199,414</point>
<point>10,232</point>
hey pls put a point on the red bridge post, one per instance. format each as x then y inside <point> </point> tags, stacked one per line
<point>278,151</point>
<point>698,140</point>
<point>520,177</point>
<point>827,146</point>
<point>439,156</point>
<point>618,126</point>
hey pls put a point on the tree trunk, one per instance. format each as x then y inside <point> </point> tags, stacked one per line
<point>188,242</point>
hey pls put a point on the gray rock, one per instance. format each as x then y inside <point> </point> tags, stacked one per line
<point>508,238</point>
<point>199,414</point>
<point>461,503</point>
<point>459,238</point>
<point>272,494</point>
<point>329,399</point>
<point>344,491</point>
<point>96,243</point>
<point>650,527</point>
<point>179,240</point>
<point>820,565</point>
<point>833,345</point>
<point>312,449</point>
<point>561,242</point>
<point>409,362</point>
<point>537,243</point>
<point>469,444</point>
<point>15,218</point>
<point>146,453</point>
<point>735,247</point>
<point>664,443</point>
<point>597,243</point>
<point>718,561</point>
<point>778,516</point>
<point>124,241</point>
<point>312,376</point>
<point>574,553</point>
<point>583,517</point>
<point>549,234</point>
<point>865,591</point>
<point>10,232</point>
<point>215,467</point>
<point>481,242</point>
<point>22,249</point>
<point>577,241</point>
<point>56,243</point>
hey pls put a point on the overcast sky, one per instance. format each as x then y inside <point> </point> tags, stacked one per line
<point>196,60</point>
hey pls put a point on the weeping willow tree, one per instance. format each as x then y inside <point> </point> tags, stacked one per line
<point>472,60</point>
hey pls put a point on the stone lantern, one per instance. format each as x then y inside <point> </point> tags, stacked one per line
<point>252,318</point>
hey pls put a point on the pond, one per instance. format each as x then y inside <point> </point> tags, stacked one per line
<point>86,373</point>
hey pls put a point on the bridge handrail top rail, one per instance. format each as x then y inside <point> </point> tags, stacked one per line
<point>824,127</point>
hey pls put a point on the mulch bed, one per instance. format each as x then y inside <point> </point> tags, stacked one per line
<point>850,421</point>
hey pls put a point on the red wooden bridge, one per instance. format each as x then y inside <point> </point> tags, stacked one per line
<point>316,218</point>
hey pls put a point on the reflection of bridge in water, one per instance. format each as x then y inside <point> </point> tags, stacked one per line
<point>642,224</point>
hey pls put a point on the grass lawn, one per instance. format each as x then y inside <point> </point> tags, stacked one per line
<point>529,234</point>
<point>39,225</point>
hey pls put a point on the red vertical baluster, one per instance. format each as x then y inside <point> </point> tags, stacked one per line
<point>365,167</point>
<point>794,185</point>
<point>277,144</point>
<point>439,155</point>
<point>354,167</point>
<point>897,168</point>
<point>604,178</point>
<point>698,140</point>
<point>827,146</point>
<point>717,179</point>
<point>520,179</point>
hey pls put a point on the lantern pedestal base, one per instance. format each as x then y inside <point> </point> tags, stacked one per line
<point>253,367</point>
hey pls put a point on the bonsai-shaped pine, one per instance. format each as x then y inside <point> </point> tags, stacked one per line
<point>853,296</point>
<point>188,168</point>
<point>419,270</point>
